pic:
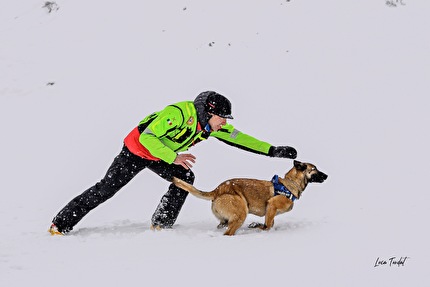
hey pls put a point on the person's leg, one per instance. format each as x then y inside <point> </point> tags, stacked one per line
<point>124,167</point>
<point>171,203</point>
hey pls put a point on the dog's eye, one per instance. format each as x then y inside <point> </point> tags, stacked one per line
<point>313,169</point>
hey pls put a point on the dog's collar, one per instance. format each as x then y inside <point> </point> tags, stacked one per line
<point>280,189</point>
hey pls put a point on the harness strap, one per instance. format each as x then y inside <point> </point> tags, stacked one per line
<point>280,189</point>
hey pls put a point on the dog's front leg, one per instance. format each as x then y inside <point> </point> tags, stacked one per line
<point>275,205</point>
<point>269,220</point>
<point>270,217</point>
<point>257,225</point>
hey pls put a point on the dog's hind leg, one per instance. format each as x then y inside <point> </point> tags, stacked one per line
<point>230,209</point>
<point>223,223</point>
<point>233,226</point>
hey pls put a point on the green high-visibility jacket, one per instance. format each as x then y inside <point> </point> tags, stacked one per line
<point>176,128</point>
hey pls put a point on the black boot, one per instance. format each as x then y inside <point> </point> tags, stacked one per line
<point>169,207</point>
<point>171,203</point>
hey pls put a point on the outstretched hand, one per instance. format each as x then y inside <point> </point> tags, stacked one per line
<point>185,159</point>
<point>283,151</point>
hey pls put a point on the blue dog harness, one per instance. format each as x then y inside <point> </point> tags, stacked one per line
<point>280,189</point>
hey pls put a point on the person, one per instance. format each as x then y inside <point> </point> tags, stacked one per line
<point>158,143</point>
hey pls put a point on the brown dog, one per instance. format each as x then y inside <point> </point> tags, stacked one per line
<point>233,199</point>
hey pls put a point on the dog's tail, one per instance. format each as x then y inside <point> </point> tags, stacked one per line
<point>191,189</point>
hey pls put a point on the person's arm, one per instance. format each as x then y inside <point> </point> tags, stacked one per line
<point>234,137</point>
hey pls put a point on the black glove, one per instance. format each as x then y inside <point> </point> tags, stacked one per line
<point>283,151</point>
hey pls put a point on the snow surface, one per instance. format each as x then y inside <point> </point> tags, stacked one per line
<point>344,82</point>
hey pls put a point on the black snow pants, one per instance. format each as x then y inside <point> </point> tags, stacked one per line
<point>124,167</point>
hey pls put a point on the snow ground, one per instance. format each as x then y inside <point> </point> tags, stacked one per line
<point>345,82</point>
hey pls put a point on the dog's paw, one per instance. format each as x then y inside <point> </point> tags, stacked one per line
<point>222,225</point>
<point>256,225</point>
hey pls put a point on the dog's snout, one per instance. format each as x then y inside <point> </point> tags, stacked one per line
<point>318,177</point>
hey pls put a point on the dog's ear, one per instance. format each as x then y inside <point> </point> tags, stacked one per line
<point>299,165</point>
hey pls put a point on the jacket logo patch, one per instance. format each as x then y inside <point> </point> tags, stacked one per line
<point>190,121</point>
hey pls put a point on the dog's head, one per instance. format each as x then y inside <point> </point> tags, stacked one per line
<point>310,172</point>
